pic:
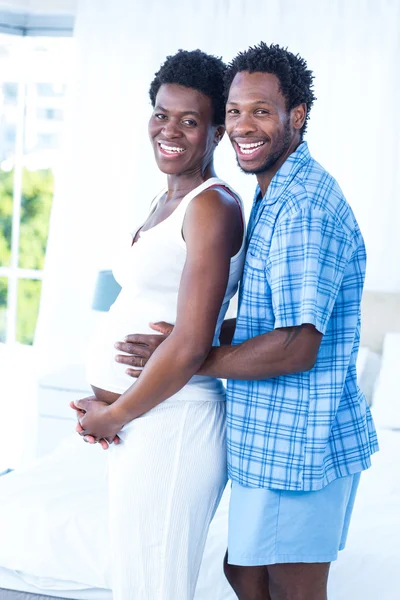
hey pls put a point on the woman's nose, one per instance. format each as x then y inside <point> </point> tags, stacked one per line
<point>171,129</point>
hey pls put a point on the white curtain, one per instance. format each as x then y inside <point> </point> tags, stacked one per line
<point>110,176</point>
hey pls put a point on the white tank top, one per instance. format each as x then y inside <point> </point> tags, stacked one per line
<point>149,272</point>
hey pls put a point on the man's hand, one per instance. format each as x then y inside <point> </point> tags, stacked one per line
<point>141,347</point>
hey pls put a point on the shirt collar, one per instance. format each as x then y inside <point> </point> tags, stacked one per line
<point>284,176</point>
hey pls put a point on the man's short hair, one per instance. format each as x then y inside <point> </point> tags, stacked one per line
<point>295,79</point>
<point>198,70</point>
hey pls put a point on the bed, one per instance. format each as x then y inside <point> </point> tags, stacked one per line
<point>60,533</point>
<point>53,513</point>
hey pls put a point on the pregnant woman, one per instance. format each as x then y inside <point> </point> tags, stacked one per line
<point>168,473</point>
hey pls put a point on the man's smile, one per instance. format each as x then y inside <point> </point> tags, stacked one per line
<point>248,149</point>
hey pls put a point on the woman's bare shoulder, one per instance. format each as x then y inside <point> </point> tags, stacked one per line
<point>216,202</point>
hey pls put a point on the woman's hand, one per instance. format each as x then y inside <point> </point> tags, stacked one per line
<point>96,421</point>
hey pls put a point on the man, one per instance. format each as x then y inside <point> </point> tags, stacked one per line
<point>299,429</point>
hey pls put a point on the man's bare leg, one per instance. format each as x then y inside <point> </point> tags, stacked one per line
<point>292,581</point>
<point>248,583</point>
<point>298,581</point>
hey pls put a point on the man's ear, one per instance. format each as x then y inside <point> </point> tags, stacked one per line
<point>298,116</point>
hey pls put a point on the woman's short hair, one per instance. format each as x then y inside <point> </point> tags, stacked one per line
<point>197,70</point>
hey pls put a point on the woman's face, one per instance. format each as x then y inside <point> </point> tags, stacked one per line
<point>181,130</point>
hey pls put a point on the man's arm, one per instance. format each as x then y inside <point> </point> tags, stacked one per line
<point>279,352</point>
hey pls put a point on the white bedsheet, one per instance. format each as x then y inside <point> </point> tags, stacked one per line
<point>368,569</point>
<point>53,523</point>
<point>53,516</point>
<point>22,582</point>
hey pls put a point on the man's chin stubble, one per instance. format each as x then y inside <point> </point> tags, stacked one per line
<point>256,171</point>
<point>270,161</point>
<point>273,158</point>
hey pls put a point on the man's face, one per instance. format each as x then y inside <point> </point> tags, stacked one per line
<point>258,123</point>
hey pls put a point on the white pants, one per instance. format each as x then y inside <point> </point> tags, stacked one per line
<point>166,480</point>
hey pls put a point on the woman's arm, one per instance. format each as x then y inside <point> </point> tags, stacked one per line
<point>212,229</point>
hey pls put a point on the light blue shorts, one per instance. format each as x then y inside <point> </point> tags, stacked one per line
<point>268,527</point>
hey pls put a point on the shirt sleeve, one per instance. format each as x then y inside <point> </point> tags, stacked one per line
<point>308,256</point>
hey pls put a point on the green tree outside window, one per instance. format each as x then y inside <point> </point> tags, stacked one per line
<point>37,195</point>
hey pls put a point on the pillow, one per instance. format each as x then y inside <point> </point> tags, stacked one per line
<point>361,361</point>
<point>368,366</point>
<point>386,398</point>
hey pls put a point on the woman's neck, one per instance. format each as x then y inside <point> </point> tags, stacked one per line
<point>180,185</point>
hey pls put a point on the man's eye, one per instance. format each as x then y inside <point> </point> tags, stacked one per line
<point>160,116</point>
<point>232,111</point>
<point>262,111</point>
<point>190,122</point>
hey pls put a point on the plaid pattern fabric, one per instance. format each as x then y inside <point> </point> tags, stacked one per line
<point>305,263</point>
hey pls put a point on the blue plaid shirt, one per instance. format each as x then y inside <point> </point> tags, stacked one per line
<point>305,263</point>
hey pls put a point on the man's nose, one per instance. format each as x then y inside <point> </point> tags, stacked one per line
<point>245,125</point>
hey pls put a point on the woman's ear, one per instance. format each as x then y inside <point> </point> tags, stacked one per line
<point>219,134</point>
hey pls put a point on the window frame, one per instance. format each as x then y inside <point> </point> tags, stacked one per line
<point>24,24</point>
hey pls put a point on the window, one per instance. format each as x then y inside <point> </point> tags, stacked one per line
<point>50,113</point>
<point>34,75</point>
<point>10,91</point>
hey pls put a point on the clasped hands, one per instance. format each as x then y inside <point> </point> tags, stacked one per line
<point>97,421</point>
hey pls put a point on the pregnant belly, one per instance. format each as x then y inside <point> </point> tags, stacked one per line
<point>102,370</point>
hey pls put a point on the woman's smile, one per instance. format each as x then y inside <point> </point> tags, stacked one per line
<point>170,150</point>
